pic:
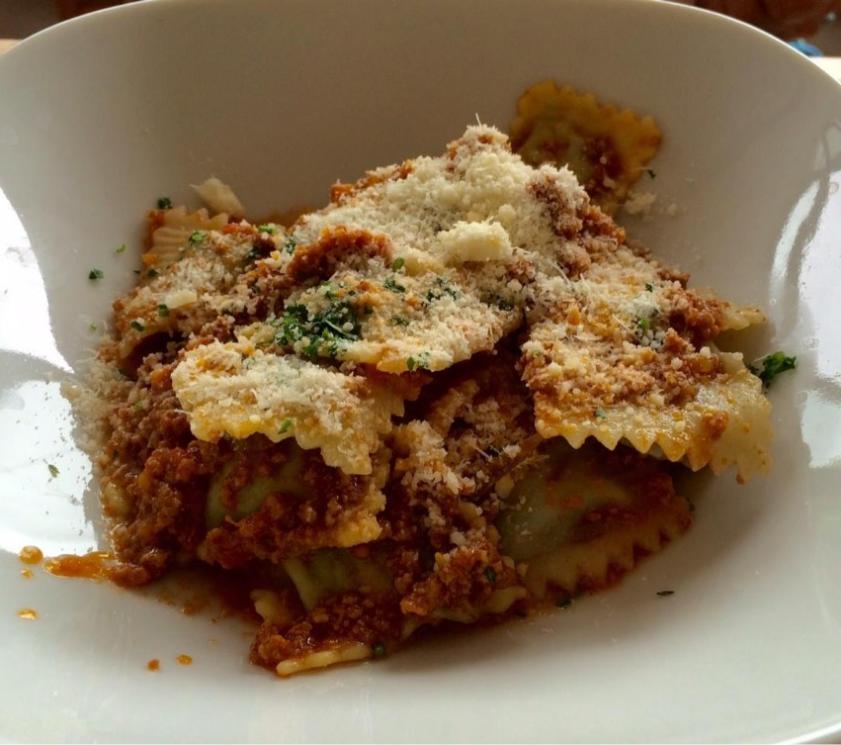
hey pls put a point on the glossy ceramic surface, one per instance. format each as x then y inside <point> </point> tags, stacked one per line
<point>102,115</point>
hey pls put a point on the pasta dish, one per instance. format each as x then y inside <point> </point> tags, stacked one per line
<point>455,394</point>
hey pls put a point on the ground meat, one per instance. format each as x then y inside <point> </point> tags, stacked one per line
<point>286,524</point>
<point>698,318</point>
<point>352,616</point>
<point>340,246</point>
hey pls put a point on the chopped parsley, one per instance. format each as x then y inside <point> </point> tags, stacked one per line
<point>769,367</point>
<point>290,245</point>
<point>120,249</point>
<point>490,575</point>
<point>163,310</point>
<point>644,324</point>
<point>138,325</point>
<point>152,273</point>
<point>652,174</point>
<point>196,237</point>
<point>599,414</point>
<point>267,228</point>
<point>665,593</point>
<point>564,602</point>
<point>393,285</point>
<point>95,274</point>
<point>421,362</point>
<point>286,425</point>
<point>378,649</point>
<point>52,469</point>
<point>319,334</point>
<point>504,304</point>
<point>397,264</point>
<point>92,326</point>
<point>649,287</point>
<point>441,288</point>
<point>164,203</point>
<point>253,255</point>
<point>399,321</point>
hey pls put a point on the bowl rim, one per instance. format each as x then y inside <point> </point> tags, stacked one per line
<point>661,6</point>
<point>54,33</point>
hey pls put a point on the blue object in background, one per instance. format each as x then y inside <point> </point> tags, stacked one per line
<point>810,50</point>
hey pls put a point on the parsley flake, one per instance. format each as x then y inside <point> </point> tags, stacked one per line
<point>164,203</point>
<point>323,333</point>
<point>92,326</point>
<point>399,321</point>
<point>378,649</point>
<point>52,469</point>
<point>120,249</point>
<point>420,362</point>
<point>152,273</point>
<point>393,285</point>
<point>644,324</point>
<point>138,325</point>
<point>290,245</point>
<point>95,274</point>
<point>286,425</point>
<point>769,367</point>
<point>665,593</point>
<point>564,602</point>
<point>196,237</point>
<point>652,174</point>
<point>397,264</point>
<point>267,228</point>
<point>599,414</point>
<point>490,575</point>
<point>649,287</point>
<point>163,310</point>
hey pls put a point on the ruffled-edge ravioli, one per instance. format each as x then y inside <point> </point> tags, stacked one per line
<point>607,148</point>
<point>575,521</point>
<point>616,393</point>
<point>400,322</point>
<point>236,390</point>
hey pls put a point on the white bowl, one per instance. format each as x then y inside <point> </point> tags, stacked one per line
<point>102,115</point>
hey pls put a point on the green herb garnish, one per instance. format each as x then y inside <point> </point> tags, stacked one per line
<point>267,228</point>
<point>324,332</point>
<point>649,287</point>
<point>92,326</point>
<point>441,288</point>
<point>397,264</point>
<point>490,575</point>
<point>120,249</point>
<point>563,602</point>
<point>152,273</point>
<point>52,469</point>
<point>399,321</point>
<point>644,324</point>
<point>665,593</point>
<point>138,325</point>
<point>651,173</point>
<point>163,310</point>
<point>378,649</point>
<point>290,245</point>
<point>393,285</point>
<point>196,237</point>
<point>164,203</point>
<point>418,363</point>
<point>769,367</point>
<point>95,274</point>
<point>599,414</point>
<point>286,425</point>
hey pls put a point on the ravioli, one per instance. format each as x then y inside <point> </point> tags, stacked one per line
<point>607,148</point>
<point>456,393</point>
